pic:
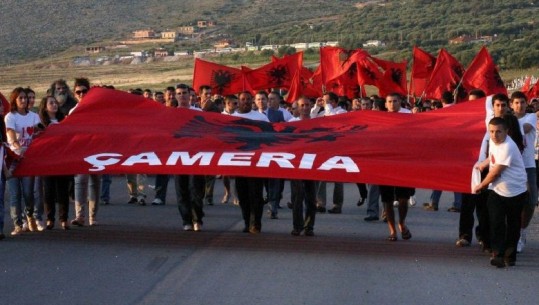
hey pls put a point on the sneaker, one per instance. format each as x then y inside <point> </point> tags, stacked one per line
<point>50,224</point>
<point>79,221</point>
<point>462,243</point>
<point>395,203</point>
<point>521,243</point>
<point>412,201</point>
<point>197,227</point>
<point>188,228</point>
<point>309,232</point>
<point>32,226</point>
<point>132,200</point>
<point>40,225</point>
<point>497,262</point>
<point>17,231</point>
<point>25,226</point>
<point>430,208</point>
<point>142,201</point>
<point>295,232</point>
<point>64,225</point>
<point>157,201</point>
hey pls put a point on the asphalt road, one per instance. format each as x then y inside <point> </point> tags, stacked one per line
<point>140,255</point>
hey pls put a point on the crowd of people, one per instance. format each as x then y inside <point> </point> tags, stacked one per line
<point>504,200</point>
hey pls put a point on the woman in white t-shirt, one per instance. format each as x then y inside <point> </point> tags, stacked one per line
<point>20,127</point>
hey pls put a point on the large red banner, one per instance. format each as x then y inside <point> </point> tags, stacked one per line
<point>116,132</point>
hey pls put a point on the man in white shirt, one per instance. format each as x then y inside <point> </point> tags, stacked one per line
<point>507,180</point>
<point>528,123</point>
<point>250,190</point>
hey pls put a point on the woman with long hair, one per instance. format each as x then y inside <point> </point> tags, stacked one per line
<point>20,127</point>
<point>55,188</point>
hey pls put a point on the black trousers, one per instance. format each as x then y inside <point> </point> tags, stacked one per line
<point>251,200</point>
<point>56,190</point>
<point>477,203</point>
<point>504,214</point>
<point>305,190</point>
<point>189,194</point>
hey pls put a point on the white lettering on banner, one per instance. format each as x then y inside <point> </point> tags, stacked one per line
<point>307,161</point>
<point>282,159</point>
<point>265,160</point>
<point>149,158</point>
<point>99,165</point>
<point>204,157</point>
<point>236,159</point>
<point>340,162</point>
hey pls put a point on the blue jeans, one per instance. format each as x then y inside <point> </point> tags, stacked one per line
<point>161,185</point>
<point>19,187</point>
<point>373,200</point>
<point>274,194</point>
<point>436,195</point>
<point>38,199</point>
<point>106,181</point>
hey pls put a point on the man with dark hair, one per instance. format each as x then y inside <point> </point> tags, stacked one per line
<point>390,193</point>
<point>528,123</point>
<point>170,99</point>
<point>189,188</point>
<point>330,101</point>
<point>250,190</point>
<point>507,181</point>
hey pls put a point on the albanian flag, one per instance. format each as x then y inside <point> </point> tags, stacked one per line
<point>446,76</point>
<point>117,133</point>
<point>422,66</point>
<point>394,78</point>
<point>483,74</point>
<point>335,61</point>
<point>279,73</point>
<point>222,79</point>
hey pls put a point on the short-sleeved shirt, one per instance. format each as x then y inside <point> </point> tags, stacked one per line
<point>23,125</point>
<point>513,179</point>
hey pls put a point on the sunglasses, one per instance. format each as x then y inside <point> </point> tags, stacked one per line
<point>79,92</point>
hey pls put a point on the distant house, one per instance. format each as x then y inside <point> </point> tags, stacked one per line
<point>173,35</point>
<point>374,43</point>
<point>469,39</point>
<point>94,49</point>
<point>206,24</point>
<point>189,29</point>
<point>225,43</point>
<point>160,53</point>
<point>144,34</point>
<point>461,39</point>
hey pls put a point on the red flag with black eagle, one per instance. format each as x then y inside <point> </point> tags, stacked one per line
<point>446,75</point>
<point>483,74</point>
<point>335,61</point>
<point>422,65</point>
<point>279,73</point>
<point>394,77</point>
<point>222,79</point>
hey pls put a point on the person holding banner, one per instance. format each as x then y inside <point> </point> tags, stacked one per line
<point>507,179</point>
<point>250,190</point>
<point>390,193</point>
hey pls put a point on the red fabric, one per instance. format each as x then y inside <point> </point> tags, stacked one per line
<point>394,77</point>
<point>527,84</point>
<point>446,75</point>
<point>304,83</point>
<point>335,61</point>
<point>276,74</point>
<point>534,91</point>
<point>129,134</point>
<point>483,74</point>
<point>223,80</point>
<point>422,66</point>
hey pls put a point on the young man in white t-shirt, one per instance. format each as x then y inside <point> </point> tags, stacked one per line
<point>507,181</point>
<point>528,123</point>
